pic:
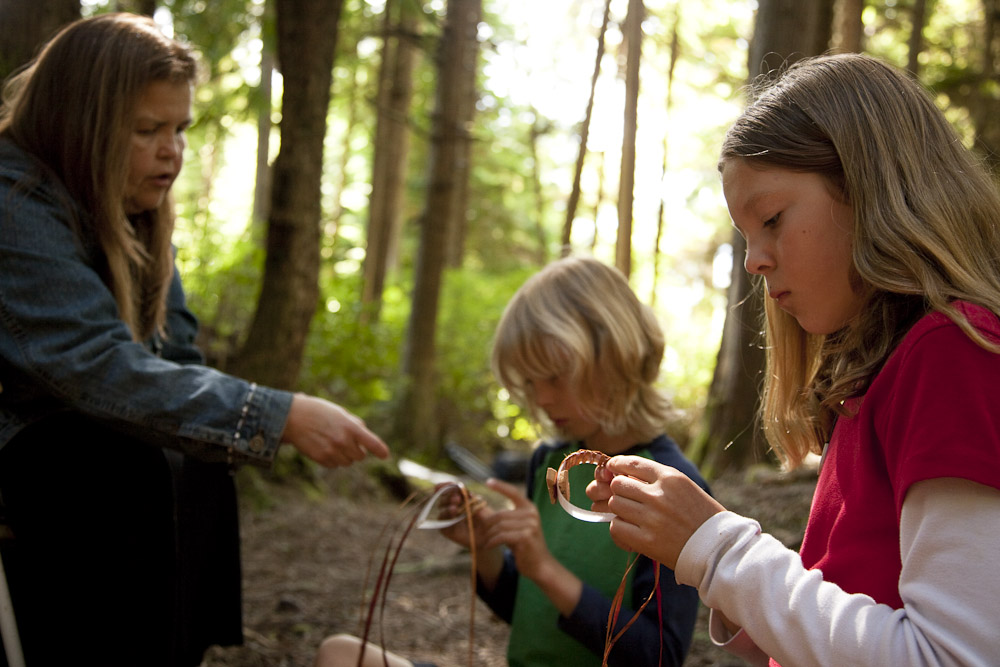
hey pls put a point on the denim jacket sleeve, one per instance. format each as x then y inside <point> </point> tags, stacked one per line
<point>63,347</point>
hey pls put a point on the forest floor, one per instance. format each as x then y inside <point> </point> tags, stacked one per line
<point>306,555</point>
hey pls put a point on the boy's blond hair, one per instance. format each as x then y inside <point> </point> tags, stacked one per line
<point>579,320</point>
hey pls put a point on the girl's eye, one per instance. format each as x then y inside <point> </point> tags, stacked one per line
<point>773,220</point>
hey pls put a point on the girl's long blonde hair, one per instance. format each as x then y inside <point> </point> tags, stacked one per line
<point>72,108</point>
<point>579,319</point>
<point>926,229</point>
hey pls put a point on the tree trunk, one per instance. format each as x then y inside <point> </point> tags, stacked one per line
<point>26,25</point>
<point>262,178</point>
<point>983,104</point>
<point>785,30</point>
<point>848,34</point>
<point>537,131</point>
<point>272,353</point>
<point>415,419</point>
<point>675,48</point>
<point>574,195</point>
<point>466,97</point>
<point>730,436</point>
<point>626,182</point>
<point>601,197</point>
<point>392,149</point>
<point>788,30</point>
<point>916,44</point>
<point>145,7</point>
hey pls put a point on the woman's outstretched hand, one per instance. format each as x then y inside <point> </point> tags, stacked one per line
<point>657,507</point>
<point>328,434</point>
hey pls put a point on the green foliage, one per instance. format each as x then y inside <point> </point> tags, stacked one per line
<point>471,305</point>
<point>359,366</point>
<point>350,363</point>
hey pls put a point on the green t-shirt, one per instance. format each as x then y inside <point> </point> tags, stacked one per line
<point>584,548</point>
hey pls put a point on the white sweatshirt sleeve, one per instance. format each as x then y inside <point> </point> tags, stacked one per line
<point>949,533</point>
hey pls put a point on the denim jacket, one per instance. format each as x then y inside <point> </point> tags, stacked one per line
<point>64,348</point>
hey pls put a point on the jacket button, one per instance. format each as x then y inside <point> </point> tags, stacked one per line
<point>256,444</point>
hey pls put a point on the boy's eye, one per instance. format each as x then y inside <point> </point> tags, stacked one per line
<point>773,220</point>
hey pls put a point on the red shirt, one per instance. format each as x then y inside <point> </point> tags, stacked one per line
<point>932,411</point>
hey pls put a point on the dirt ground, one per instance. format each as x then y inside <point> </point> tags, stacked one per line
<point>306,556</point>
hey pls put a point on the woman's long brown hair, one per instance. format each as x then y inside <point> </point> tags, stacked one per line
<point>72,108</point>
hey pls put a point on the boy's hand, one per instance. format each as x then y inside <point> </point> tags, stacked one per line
<point>453,504</point>
<point>520,529</point>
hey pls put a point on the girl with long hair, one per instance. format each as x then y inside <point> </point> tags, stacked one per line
<point>876,234</point>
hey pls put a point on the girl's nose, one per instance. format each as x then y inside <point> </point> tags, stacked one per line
<point>758,259</point>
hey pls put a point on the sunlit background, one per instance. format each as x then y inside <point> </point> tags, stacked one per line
<point>537,58</point>
<point>543,62</point>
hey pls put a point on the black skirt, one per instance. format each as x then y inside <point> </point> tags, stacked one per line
<point>122,553</point>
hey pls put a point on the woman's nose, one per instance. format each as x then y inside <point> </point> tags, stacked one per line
<point>170,147</point>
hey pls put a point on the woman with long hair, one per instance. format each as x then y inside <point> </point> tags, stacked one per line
<point>116,443</point>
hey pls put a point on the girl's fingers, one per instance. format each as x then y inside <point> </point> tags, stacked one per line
<point>602,474</point>
<point>630,537</point>
<point>624,487</point>
<point>626,509</point>
<point>598,491</point>
<point>634,466</point>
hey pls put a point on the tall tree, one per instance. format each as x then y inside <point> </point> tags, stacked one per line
<point>26,25</point>
<point>415,419</point>
<point>784,31</point>
<point>465,97</point>
<point>538,130</point>
<point>265,92</point>
<point>601,197</point>
<point>272,353</point>
<point>675,47</point>
<point>985,105</point>
<point>400,50</point>
<point>146,7</point>
<point>848,30</point>
<point>918,20</point>
<point>574,195</point>
<point>626,181</point>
